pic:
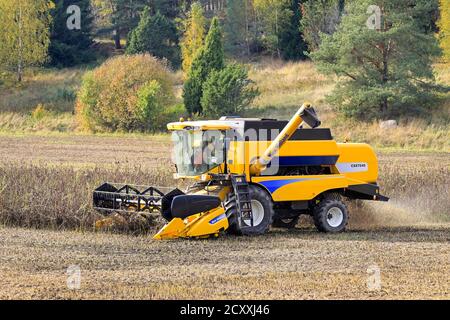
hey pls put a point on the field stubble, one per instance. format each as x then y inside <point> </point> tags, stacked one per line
<point>54,189</point>
<point>299,264</point>
<point>407,239</point>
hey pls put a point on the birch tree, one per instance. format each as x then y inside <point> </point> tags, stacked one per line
<point>444,28</point>
<point>24,33</point>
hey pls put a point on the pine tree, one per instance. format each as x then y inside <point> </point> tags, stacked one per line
<point>237,26</point>
<point>168,8</point>
<point>70,47</point>
<point>228,91</point>
<point>120,16</point>
<point>193,36</point>
<point>157,35</point>
<point>320,16</point>
<point>444,27</point>
<point>276,16</point>
<point>384,70</point>
<point>291,42</point>
<point>210,57</point>
<point>24,34</point>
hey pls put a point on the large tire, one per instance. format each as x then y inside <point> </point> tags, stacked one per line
<point>263,213</point>
<point>331,215</point>
<point>231,212</point>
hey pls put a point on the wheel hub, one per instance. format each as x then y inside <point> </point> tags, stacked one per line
<point>257,212</point>
<point>335,216</point>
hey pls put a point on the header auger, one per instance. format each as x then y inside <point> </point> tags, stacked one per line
<point>250,174</point>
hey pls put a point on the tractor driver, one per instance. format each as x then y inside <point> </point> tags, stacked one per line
<point>205,157</point>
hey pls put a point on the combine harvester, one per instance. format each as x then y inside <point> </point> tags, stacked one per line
<point>249,176</point>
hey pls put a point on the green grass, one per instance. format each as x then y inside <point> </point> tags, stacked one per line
<point>51,90</point>
<point>54,89</point>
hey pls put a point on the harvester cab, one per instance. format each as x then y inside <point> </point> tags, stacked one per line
<point>250,174</point>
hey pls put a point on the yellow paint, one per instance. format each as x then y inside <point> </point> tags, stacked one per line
<point>260,164</point>
<point>251,158</point>
<point>199,126</point>
<point>195,226</point>
<point>359,152</point>
<point>307,189</point>
<point>171,230</point>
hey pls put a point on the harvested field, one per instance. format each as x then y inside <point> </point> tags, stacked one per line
<point>301,264</point>
<point>46,183</point>
<point>86,150</point>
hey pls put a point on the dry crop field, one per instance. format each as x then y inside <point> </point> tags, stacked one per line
<point>46,225</point>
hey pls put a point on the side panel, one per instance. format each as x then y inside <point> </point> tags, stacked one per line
<point>241,154</point>
<point>207,224</point>
<point>296,188</point>
<point>357,161</point>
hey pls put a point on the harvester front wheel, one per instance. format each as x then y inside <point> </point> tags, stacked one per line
<point>262,209</point>
<point>331,215</point>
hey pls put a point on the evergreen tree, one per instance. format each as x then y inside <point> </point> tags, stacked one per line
<point>384,71</point>
<point>122,16</point>
<point>444,28</point>
<point>168,8</point>
<point>228,91</point>
<point>210,57</point>
<point>70,47</point>
<point>237,26</point>
<point>193,36</point>
<point>24,33</point>
<point>291,42</point>
<point>276,16</point>
<point>320,16</point>
<point>157,35</point>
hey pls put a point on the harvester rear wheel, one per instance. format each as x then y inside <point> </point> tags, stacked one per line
<point>330,215</point>
<point>262,206</point>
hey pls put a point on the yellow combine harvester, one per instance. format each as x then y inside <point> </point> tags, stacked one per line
<point>251,174</point>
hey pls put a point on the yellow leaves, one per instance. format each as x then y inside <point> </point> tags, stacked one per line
<point>193,37</point>
<point>108,98</point>
<point>444,26</point>
<point>39,112</point>
<point>25,32</point>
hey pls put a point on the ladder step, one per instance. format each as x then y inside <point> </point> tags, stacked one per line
<point>242,194</point>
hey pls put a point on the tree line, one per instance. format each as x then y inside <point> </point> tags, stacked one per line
<point>384,69</point>
<point>281,28</point>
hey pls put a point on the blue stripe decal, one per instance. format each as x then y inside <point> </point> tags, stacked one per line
<point>305,160</point>
<point>273,185</point>
<point>218,218</point>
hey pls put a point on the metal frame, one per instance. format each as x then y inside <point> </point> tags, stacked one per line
<point>111,197</point>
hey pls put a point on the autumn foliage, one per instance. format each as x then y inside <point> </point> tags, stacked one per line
<point>444,26</point>
<point>125,93</point>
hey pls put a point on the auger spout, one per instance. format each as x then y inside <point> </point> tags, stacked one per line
<point>305,114</point>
